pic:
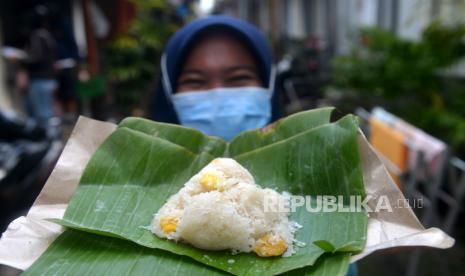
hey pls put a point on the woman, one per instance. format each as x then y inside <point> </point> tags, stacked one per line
<point>217,77</point>
<point>40,62</point>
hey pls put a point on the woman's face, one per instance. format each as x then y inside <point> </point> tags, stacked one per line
<point>216,61</point>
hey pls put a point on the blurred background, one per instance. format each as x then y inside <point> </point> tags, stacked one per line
<point>398,64</point>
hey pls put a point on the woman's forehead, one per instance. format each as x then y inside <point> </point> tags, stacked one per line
<point>219,51</point>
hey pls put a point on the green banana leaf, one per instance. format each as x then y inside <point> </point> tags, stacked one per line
<point>81,253</point>
<point>142,163</point>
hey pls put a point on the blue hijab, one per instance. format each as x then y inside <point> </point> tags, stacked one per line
<point>179,46</point>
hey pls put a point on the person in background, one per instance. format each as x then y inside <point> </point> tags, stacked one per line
<point>40,63</point>
<point>217,76</point>
<point>66,66</point>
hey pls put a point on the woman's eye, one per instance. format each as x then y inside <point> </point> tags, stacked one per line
<point>192,82</point>
<point>241,78</point>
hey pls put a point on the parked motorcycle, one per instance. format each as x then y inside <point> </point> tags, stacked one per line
<point>28,152</point>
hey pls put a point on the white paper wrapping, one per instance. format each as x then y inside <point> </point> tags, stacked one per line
<point>28,236</point>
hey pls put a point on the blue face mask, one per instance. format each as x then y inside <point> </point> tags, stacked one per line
<point>224,112</point>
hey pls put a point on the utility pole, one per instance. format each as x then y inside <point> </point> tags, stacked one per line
<point>92,55</point>
<point>275,28</point>
<point>5,101</point>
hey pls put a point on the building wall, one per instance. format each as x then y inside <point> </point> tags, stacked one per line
<point>337,21</point>
<point>414,16</point>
